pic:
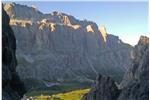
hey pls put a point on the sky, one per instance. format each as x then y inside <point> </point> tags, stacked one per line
<point>126,19</point>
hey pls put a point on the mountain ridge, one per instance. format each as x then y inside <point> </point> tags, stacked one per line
<point>135,83</point>
<point>64,45</point>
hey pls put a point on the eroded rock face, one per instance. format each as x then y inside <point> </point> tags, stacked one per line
<point>135,84</point>
<point>89,29</point>
<point>104,89</point>
<point>136,81</point>
<point>12,87</point>
<point>66,20</point>
<point>103,32</point>
<point>57,46</point>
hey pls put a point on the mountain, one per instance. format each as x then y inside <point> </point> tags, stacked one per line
<point>12,87</point>
<point>135,83</point>
<point>59,47</point>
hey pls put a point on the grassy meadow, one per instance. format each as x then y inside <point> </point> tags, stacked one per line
<point>72,95</point>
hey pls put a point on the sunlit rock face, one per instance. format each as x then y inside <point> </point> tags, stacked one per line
<point>89,28</point>
<point>23,23</point>
<point>66,20</point>
<point>135,84</point>
<point>103,32</point>
<point>57,46</point>
<point>44,23</point>
<point>12,87</point>
<point>17,12</point>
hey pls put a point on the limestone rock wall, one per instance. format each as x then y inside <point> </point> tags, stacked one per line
<point>57,46</point>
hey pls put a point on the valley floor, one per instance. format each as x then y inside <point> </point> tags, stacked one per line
<point>72,95</point>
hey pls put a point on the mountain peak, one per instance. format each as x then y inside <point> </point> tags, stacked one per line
<point>56,13</point>
<point>18,11</point>
<point>143,40</point>
<point>8,7</point>
<point>34,7</point>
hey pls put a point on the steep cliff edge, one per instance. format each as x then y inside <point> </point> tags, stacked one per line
<point>135,84</point>
<point>136,81</point>
<point>12,87</point>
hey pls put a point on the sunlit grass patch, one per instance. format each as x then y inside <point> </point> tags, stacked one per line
<point>73,95</point>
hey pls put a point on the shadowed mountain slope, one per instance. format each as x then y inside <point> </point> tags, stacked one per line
<point>135,83</point>
<point>12,87</point>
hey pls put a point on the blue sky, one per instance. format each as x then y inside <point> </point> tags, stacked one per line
<point>128,20</point>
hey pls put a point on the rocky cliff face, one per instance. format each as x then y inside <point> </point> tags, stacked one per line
<point>135,84</point>
<point>12,87</point>
<point>136,81</point>
<point>59,47</point>
<point>104,89</point>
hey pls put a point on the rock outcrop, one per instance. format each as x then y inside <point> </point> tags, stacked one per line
<point>136,81</point>
<point>103,32</point>
<point>104,89</point>
<point>89,29</point>
<point>12,87</point>
<point>135,84</point>
<point>66,20</point>
<point>61,43</point>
